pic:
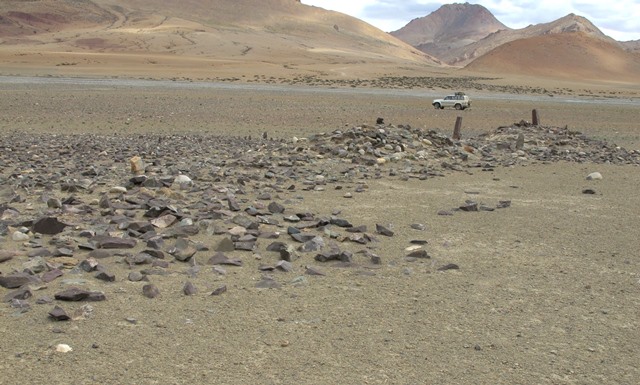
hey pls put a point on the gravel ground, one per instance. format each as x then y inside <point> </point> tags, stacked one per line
<point>546,290</point>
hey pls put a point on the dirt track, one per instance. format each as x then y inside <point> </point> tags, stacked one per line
<point>136,106</point>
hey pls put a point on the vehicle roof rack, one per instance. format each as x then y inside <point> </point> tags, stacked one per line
<point>460,93</point>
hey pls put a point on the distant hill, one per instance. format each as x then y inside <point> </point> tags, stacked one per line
<point>568,55</point>
<point>274,32</point>
<point>469,36</point>
<point>451,26</point>
<point>569,23</point>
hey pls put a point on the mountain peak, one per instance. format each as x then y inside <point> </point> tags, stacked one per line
<point>450,26</point>
<point>574,23</point>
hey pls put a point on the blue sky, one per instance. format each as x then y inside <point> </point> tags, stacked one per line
<point>619,19</point>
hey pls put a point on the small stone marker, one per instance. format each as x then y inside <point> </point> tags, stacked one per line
<point>137,165</point>
<point>457,128</point>
<point>520,141</point>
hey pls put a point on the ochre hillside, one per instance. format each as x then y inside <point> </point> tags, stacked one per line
<point>280,35</point>
<point>571,55</point>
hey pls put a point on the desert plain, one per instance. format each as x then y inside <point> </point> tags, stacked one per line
<point>328,229</point>
<point>546,290</point>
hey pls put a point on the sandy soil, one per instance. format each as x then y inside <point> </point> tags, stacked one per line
<point>547,291</point>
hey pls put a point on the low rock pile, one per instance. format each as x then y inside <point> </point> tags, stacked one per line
<point>418,153</point>
<point>81,206</point>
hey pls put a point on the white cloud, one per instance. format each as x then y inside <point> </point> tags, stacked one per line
<point>619,19</point>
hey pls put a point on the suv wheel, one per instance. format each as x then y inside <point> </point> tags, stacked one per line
<point>436,106</point>
<point>458,106</point>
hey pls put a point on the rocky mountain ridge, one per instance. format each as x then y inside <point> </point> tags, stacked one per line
<point>467,35</point>
<point>459,33</point>
<point>450,27</point>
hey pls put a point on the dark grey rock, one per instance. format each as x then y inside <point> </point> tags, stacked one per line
<point>88,265</point>
<point>244,246</point>
<point>160,263</point>
<point>276,246</point>
<point>135,276</point>
<point>419,254</point>
<point>106,276</point>
<point>245,222</point>
<point>21,304</point>
<point>275,208</point>
<point>284,266</point>
<point>314,244</point>
<point>48,226</point>
<point>183,250</point>
<point>189,289</point>
<point>44,300</point>
<point>50,275</point>
<point>221,259</point>
<point>288,254</point>
<point>375,259</point>
<point>54,203</point>
<point>268,283</point>
<point>158,254</point>
<point>310,270</point>
<point>357,229</point>
<point>104,202</point>
<point>21,294</point>
<point>220,290</point>
<point>225,245</point>
<point>139,259</point>
<point>100,254</point>
<point>155,243</point>
<point>450,266</point>
<point>469,206</point>
<point>384,230</point>
<point>334,255</point>
<point>77,294</point>
<point>59,314</point>
<point>39,252</point>
<point>63,252</point>
<point>233,204</point>
<point>150,291</point>
<point>115,243</point>
<point>340,222</point>
<point>16,280</point>
<point>303,237</point>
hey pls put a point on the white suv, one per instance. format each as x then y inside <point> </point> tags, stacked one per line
<point>459,101</point>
